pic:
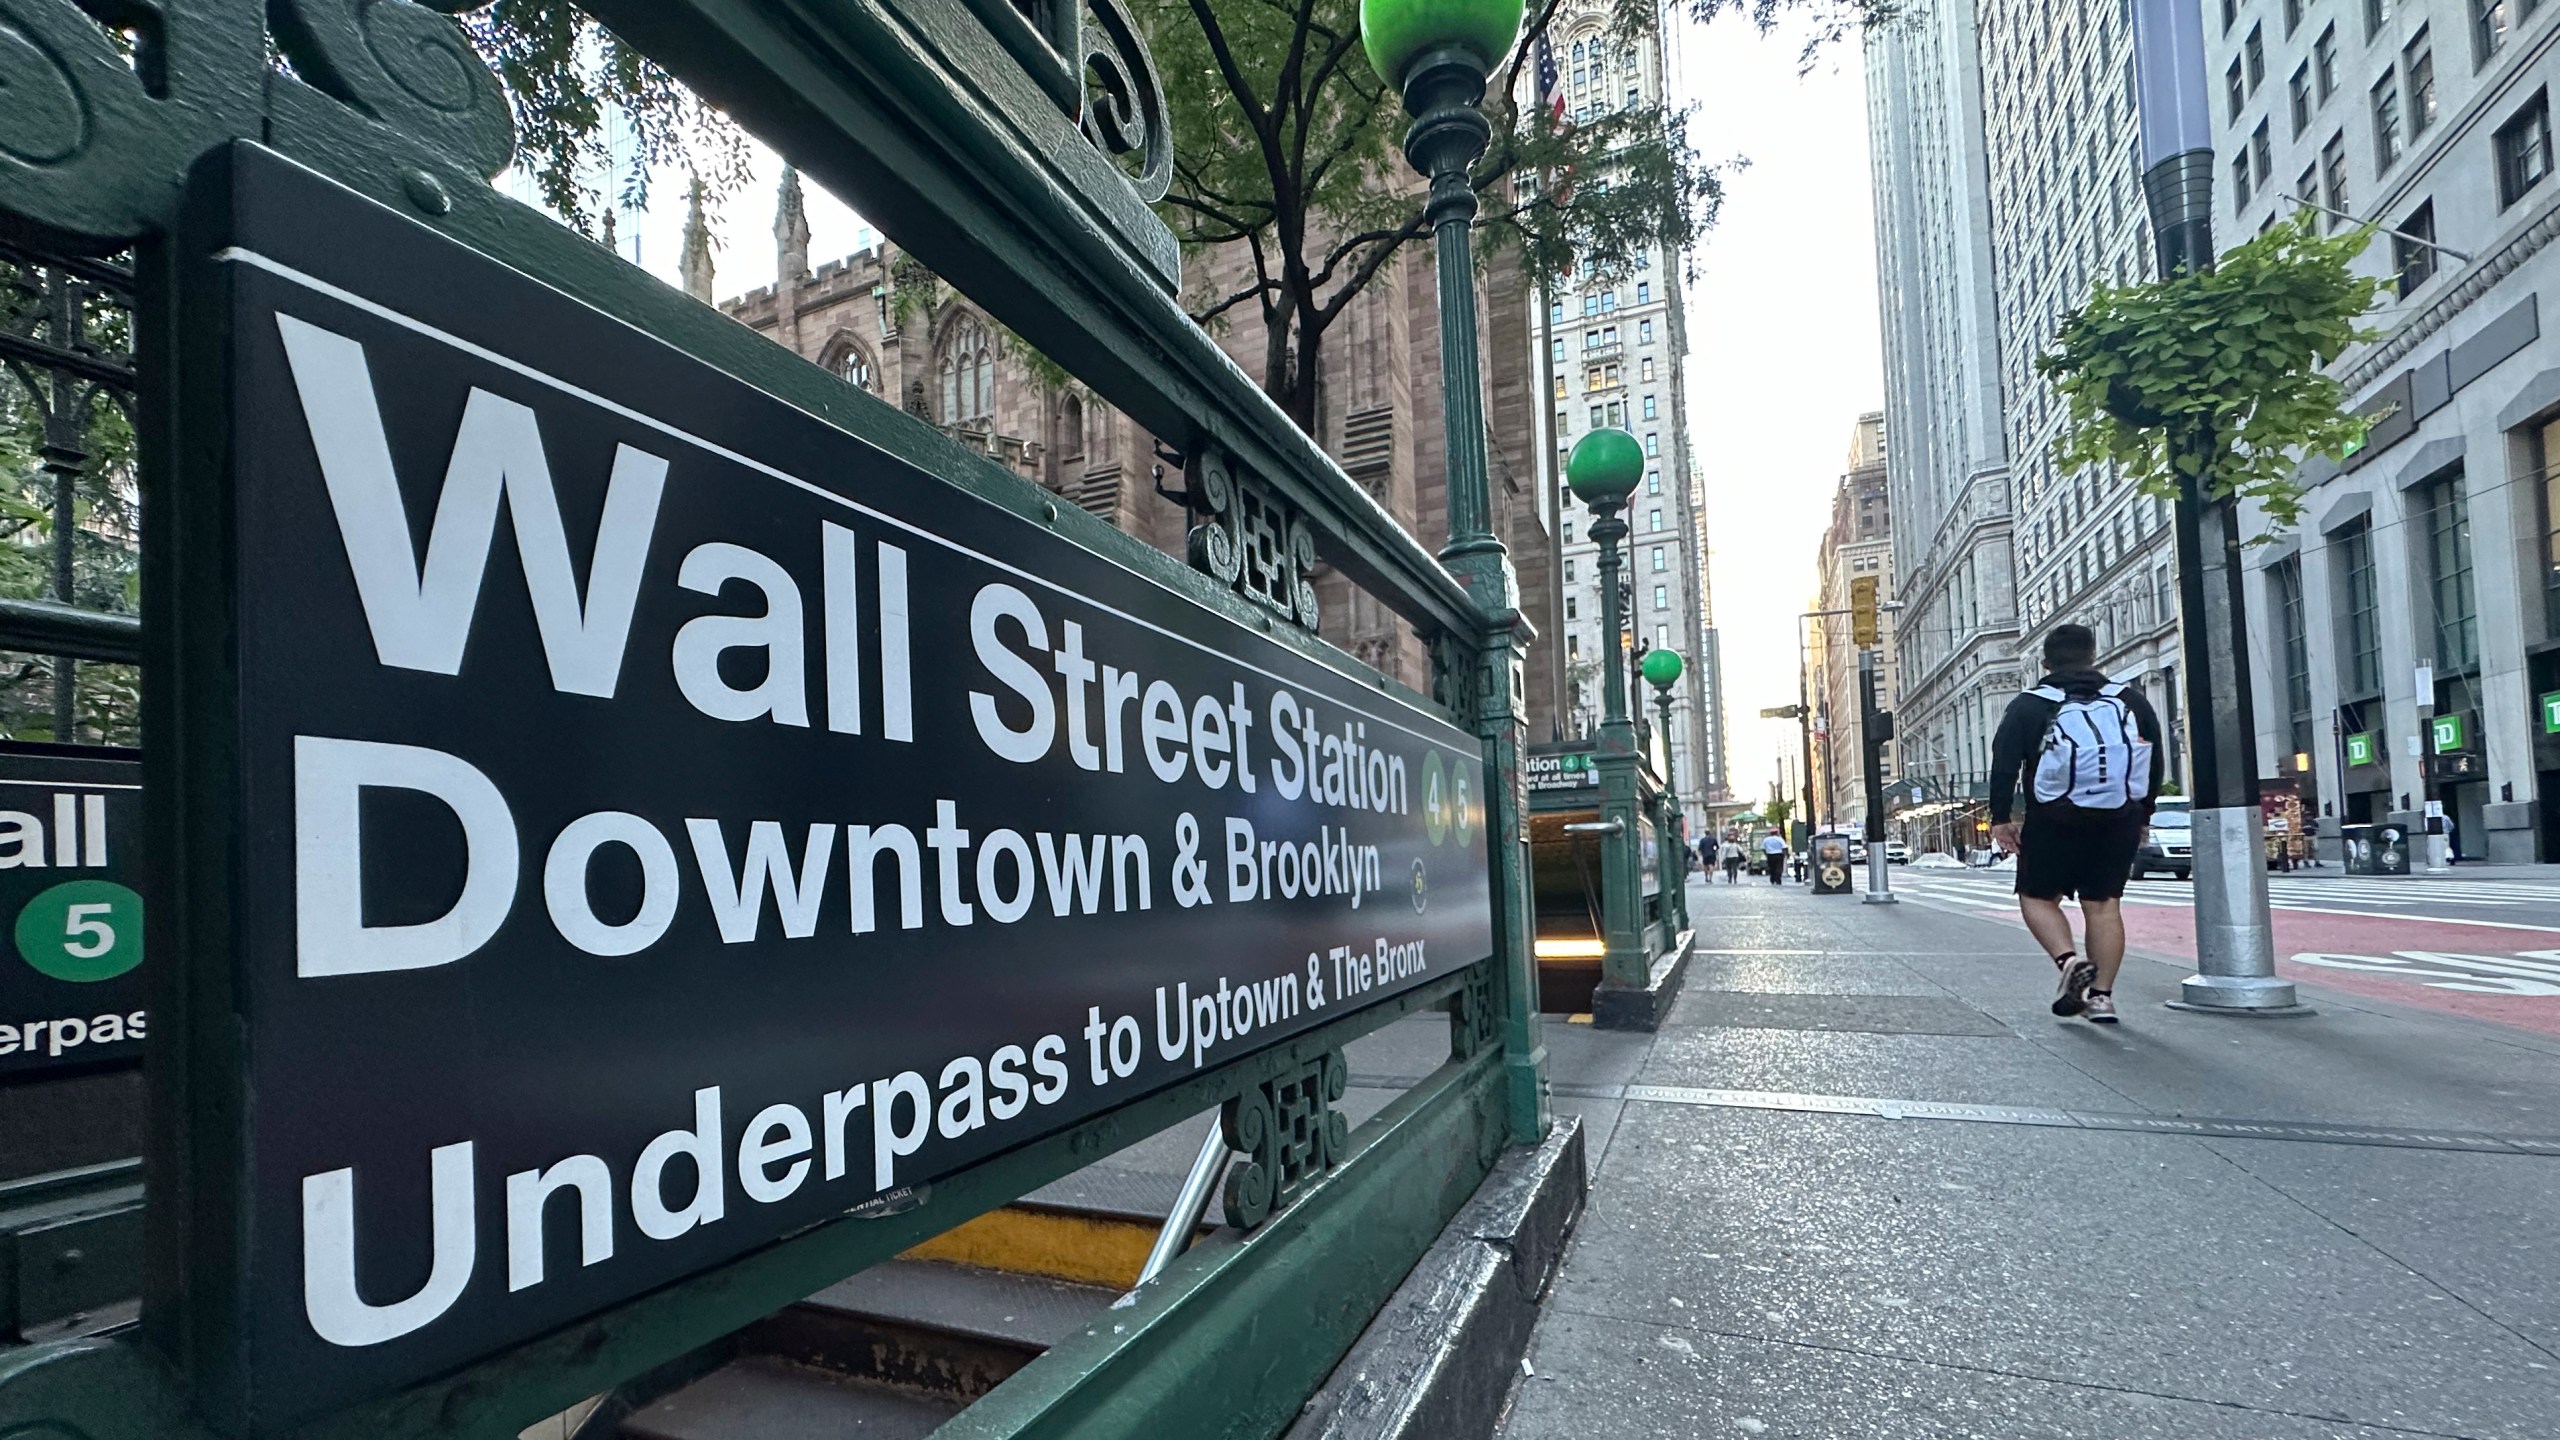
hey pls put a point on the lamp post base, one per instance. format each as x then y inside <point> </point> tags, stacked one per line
<point>2255,996</point>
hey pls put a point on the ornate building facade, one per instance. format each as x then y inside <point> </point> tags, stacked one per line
<point>884,323</point>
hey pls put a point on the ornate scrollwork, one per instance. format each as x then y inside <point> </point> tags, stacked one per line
<point>1289,1134</point>
<point>95,144</point>
<point>1473,1016</point>
<point>405,65</point>
<point>1124,110</point>
<point>1454,675</point>
<point>1249,539</point>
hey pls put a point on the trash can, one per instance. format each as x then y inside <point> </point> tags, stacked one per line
<point>2358,843</point>
<point>2390,850</point>
<point>1831,875</point>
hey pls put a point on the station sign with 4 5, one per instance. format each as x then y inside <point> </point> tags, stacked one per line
<point>71,989</point>
<point>1448,800</point>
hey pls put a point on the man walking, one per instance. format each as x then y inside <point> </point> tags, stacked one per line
<point>2092,754</point>
<point>1773,852</point>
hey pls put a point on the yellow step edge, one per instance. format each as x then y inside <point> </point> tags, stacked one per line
<point>1086,1249</point>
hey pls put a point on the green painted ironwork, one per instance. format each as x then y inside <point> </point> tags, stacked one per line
<point>1603,470</point>
<point>1017,151</point>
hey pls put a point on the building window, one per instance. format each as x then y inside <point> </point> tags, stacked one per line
<point>1558,354</point>
<point>2386,122</point>
<point>854,365</point>
<point>2298,90</point>
<point>2359,625</point>
<point>1653,483</point>
<point>1644,291</point>
<point>2234,93</point>
<point>2254,50</point>
<point>2413,254</point>
<point>2488,30</point>
<point>2377,13</point>
<point>968,373</point>
<point>1596,414</point>
<point>2230,13</point>
<point>1568,572</point>
<point>1568,532</point>
<point>2285,582</point>
<point>1617,414</point>
<point>2306,186</point>
<point>2524,149</point>
<point>2333,176</point>
<point>2324,63</point>
<point>1644,368</point>
<point>1653,520</point>
<point>2447,526</point>
<point>1648,407</point>
<point>1661,559</point>
<point>2292,17</point>
<point>2239,183</point>
<point>2418,67</point>
<point>1652,444</point>
<point>1661,597</point>
<point>2262,153</point>
<point>2544,441</point>
<point>1572,608</point>
<point>1644,332</point>
<point>1559,387</point>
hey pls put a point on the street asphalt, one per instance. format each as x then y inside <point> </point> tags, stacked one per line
<point>1864,1184</point>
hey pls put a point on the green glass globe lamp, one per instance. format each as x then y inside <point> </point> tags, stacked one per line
<point>1399,33</point>
<point>1604,468</point>
<point>1662,668</point>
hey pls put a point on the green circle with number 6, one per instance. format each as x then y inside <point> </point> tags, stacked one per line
<point>82,930</point>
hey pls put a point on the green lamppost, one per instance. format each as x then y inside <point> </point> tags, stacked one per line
<point>1662,671</point>
<point>1437,54</point>
<point>1603,471</point>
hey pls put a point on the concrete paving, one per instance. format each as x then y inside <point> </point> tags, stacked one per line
<point>1769,1265</point>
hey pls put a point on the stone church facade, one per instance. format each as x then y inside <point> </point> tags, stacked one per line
<point>893,330</point>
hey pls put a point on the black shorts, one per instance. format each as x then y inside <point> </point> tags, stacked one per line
<point>2077,853</point>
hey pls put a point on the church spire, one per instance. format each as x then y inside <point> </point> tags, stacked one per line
<point>695,262</point>
<point>791,228</point>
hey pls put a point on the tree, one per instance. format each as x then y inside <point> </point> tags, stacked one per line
<point>564,75</point>
<point>1778,811</point>
<point>1288,149</point>
<point>1290,153</point>
<point>2217,379</point>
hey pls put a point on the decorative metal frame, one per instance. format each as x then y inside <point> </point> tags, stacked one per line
<point>1026,178</point>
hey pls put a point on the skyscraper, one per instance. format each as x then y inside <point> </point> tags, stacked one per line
<point>1947,467</point>
<point>1614,346</point>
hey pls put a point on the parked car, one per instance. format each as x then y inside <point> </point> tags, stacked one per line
<point>1896,853</point>
<point>2169,845</point>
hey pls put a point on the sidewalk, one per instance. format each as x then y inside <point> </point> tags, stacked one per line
<point>2090,1233</point>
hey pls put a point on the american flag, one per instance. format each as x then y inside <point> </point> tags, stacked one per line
<point>1550,91</point>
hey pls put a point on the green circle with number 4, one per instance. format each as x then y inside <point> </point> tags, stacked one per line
<point>82,930</point>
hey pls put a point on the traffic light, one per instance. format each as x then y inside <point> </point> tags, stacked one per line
<point>1862,612</point>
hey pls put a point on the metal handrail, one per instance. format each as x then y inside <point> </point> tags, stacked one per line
<point>1190,1205</point>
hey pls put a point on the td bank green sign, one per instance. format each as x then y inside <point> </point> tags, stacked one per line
<point>2551,713</point>
<point>2449,733</point>
<point>71,989</point>
<point>2361,748</point>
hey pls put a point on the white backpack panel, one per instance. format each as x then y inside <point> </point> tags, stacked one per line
<point>2094,756</point>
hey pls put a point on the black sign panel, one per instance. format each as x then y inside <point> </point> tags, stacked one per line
<point>669,820</point>
<point>71,987</point>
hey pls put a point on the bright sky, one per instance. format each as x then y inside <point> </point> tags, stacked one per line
<point>1782,325</point>
<point>1785,351</point>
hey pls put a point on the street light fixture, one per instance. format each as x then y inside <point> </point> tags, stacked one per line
<point>2235,941</point>
<point>1603,471</point>
<point>1662,671</point>
<point>1437,53</point>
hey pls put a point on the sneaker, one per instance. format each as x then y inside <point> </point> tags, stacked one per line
<point>2101,1007</point>
<point>2072,997</point>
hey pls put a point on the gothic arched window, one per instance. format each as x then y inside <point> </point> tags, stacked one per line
<point>847,360</point>
<point>968,372</point>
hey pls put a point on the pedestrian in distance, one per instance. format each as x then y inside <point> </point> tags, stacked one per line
<point>1733,858</point>
<point>2091,752</point>
<point>1773,853</point>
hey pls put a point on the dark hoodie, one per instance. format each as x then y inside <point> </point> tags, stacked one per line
<point>2021,733</point>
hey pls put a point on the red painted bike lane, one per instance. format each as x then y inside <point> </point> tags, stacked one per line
<point>2503,972</point>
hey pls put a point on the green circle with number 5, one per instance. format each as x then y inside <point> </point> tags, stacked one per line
<point>82,930</point>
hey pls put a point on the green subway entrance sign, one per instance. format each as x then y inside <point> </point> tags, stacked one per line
<point>1573,770</point>
<point>70,991</point>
